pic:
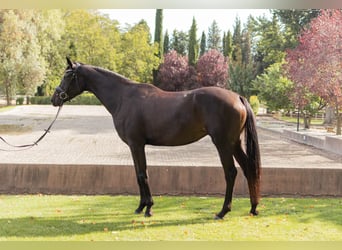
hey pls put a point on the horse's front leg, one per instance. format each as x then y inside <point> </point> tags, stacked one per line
<point>139,158</point>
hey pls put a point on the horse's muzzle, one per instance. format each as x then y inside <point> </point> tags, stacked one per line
<point>56,100</point>
<point>59,97</point>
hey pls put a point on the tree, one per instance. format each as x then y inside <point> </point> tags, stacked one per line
<point>246,52</point>
<point>271,45</point>
<point>95,40</point>
<point>166,43</point>
<point>10,52</point>
<point>273,88</point>
<point>50,31</point>
<point>193,44</point>
<point>180,42</point>
<point>212,69</point>
<point>237,41</point>
<point>315,64</point>
<point>140,56</point>
<point>173,73</point>
<point>295,21</point>
<point>224,42</point>
<point>158,40</point>
<point>22,67</point>
<point>242,68</point>
<point>228,45</point>
<point>203,46</point>
<point>158,33</point>
<point>214,37</point>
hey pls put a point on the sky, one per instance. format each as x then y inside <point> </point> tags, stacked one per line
<point>181,19</point>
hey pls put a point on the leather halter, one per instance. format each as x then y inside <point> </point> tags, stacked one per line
<point>62,93</point>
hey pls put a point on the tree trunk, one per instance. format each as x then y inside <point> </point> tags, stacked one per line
<point>307,121</point>
<point>8,94</point>
<point>329,116</point>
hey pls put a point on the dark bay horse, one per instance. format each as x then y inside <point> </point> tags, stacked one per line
<point>144,114</point>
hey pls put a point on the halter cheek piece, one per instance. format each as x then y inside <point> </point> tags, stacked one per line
<point>62,92</point>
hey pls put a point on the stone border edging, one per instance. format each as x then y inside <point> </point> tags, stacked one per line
<point>114,180</point>
<point>329,143</point>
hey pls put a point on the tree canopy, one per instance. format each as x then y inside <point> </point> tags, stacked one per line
<point>246,58</point>
<point>315,64</point>
<point>34,43</point>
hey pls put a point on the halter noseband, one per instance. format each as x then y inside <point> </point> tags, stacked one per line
<point>62,92</point>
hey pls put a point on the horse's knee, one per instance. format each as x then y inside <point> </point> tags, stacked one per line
<point>142,178</point>
<point>231,174</point>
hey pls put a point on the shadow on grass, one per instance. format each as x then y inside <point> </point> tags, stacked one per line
<point>99,216</point>
<point>77,225</point>
<point>90,217</point>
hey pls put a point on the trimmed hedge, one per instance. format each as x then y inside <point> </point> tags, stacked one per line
<point>40,100</point>
<point>86,99</point>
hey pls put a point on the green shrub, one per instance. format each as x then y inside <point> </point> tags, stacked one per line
<point>40,100</point>
<point>20,101</point>
<point>254,101</point>
<point>85,99</point>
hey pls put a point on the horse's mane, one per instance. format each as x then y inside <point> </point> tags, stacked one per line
<point>110,73</point>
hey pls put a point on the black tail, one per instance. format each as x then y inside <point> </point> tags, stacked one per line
<point>252,145</point>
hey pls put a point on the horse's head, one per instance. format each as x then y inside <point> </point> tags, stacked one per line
<point>69,87</point>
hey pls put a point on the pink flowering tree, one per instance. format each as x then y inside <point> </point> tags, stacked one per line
<point>212,69</point>
<point>173,73</point>
<point>315,64</point>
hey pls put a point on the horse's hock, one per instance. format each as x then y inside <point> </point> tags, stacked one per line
<point>113,180</point>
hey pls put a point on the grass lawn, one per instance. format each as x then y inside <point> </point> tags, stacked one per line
<point>97,218</point>
<point>301,120</point>
<point>6,108</point>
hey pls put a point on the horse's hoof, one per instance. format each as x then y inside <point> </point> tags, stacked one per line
<point>254,213</point>
<point>148,215</point>
<point>137,211</point>
<point>218,217</point>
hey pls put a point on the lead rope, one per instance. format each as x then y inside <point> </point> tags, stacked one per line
<point>28,146</point>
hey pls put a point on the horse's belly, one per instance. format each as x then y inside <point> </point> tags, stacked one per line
<point>176,137</point>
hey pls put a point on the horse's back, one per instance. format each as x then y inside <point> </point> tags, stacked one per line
<point>222,111</point>
<point>216,100</point>
<point>218,94</point>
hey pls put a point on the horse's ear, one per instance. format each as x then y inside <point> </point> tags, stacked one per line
<point>69,62</point>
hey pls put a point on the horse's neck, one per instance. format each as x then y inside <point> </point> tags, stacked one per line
<point>109,90</point>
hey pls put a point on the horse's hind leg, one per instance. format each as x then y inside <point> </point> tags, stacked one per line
<point>253,183</point>
<point>139,158</point>
<point>230,172</point>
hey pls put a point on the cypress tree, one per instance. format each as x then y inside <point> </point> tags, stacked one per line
<point>193,45</point>
<point>180,42</point>
<point>158,38</point>
<point>228,47</point>
<point>214,36</point>
<point>224,43</point>
<point>166,48</point>
<point>203,46</point>
<point>237,41</point>
<point>158,32</point>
